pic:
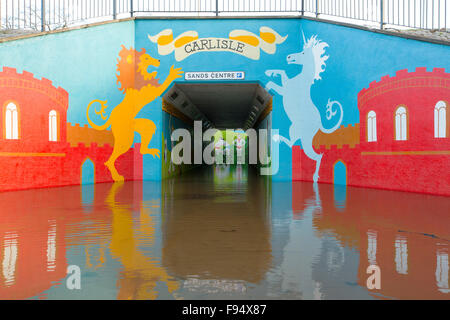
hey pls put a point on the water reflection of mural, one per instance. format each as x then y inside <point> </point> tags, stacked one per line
<point>216,241</point>
<point>187,239</point>
<point>37,248</point>
<point>140,273</point>
<point>32,244</point>
<point>410,248</point>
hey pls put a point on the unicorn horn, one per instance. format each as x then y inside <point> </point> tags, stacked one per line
<point>304,39</point>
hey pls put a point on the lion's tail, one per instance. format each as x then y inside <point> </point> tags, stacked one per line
<point>101,113</point>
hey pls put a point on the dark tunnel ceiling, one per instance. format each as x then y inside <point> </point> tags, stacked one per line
<point>225,105</point>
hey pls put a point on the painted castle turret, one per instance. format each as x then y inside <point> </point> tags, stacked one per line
<point>403,141</point>
<point>38,148</point>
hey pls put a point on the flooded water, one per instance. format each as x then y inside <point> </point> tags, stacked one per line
<point>223,233</point>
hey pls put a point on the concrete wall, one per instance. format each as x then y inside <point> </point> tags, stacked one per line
<point>311,68</point>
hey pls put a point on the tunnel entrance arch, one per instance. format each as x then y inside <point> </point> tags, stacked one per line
<point>233,105</point>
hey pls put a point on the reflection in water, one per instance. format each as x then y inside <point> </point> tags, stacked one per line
<point>216,234</point>
<point>9,258</point>
<point>372,247</point>
<point>401,255</point>
<point>51,247</point>
<point>223,232</point>
<point>301,250</point>
<point>340,197</point>
<point>140,273</point>
<point>442,272</point>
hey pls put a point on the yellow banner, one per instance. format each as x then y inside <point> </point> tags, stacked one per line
<point>240,42</point>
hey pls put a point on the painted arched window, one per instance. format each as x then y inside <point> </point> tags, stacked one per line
<point>401,124</point>
<point>440,120</point>
<point>11,122</point>
<point>371,126</point>
<point>53,126</point>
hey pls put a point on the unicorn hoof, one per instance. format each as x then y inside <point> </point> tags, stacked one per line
<point>315,178</point>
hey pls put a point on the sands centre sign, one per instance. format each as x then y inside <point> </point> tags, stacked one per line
<point>215,75</point>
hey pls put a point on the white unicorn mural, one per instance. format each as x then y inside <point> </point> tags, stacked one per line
<point>297,102</point>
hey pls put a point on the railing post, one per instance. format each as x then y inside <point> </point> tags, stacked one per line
<point>317,8</point>
<point>114,9</point>
<point>381,14</point>
<point>217,8</point>
<point>303,7</point>
<point>131,8</point>
<point>42,15</point>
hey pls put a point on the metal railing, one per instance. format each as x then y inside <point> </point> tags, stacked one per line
<point>42,15</point>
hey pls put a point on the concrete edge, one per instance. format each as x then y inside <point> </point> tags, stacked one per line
<point>343,24</point>
<point>84,26</point>
<point>375,30</point>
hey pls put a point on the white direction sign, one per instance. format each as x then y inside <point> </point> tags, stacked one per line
<point>215,75</point>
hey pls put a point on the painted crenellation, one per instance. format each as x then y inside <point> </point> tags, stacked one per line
<point>345,135</point>
<point>420,78</point>
<point>77,133</point>
<point>9,77</point>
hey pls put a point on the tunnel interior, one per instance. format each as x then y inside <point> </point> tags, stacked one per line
<point>208,207</point>
<point>228,107</point>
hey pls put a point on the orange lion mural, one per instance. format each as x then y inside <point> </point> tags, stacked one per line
<point>140,88</point>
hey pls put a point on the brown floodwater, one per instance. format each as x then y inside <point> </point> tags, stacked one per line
<point>223,233</point>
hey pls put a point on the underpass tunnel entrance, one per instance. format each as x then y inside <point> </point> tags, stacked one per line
<point>228,124</point>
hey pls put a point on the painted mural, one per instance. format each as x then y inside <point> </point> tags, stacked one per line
<point>40,148</point>
<point>172,119</point>
<point>388,113</point>
<point>298,105</point>
<point>140,88</point>
<point>402,141</point>
<point>390,129</point>
<point>241,42</point>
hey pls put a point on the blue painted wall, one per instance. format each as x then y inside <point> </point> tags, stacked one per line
<point>356,58</point>
<point>84,63</point>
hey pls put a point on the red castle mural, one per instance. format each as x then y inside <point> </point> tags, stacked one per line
<point>38,148</point>
<point>401,143</point>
